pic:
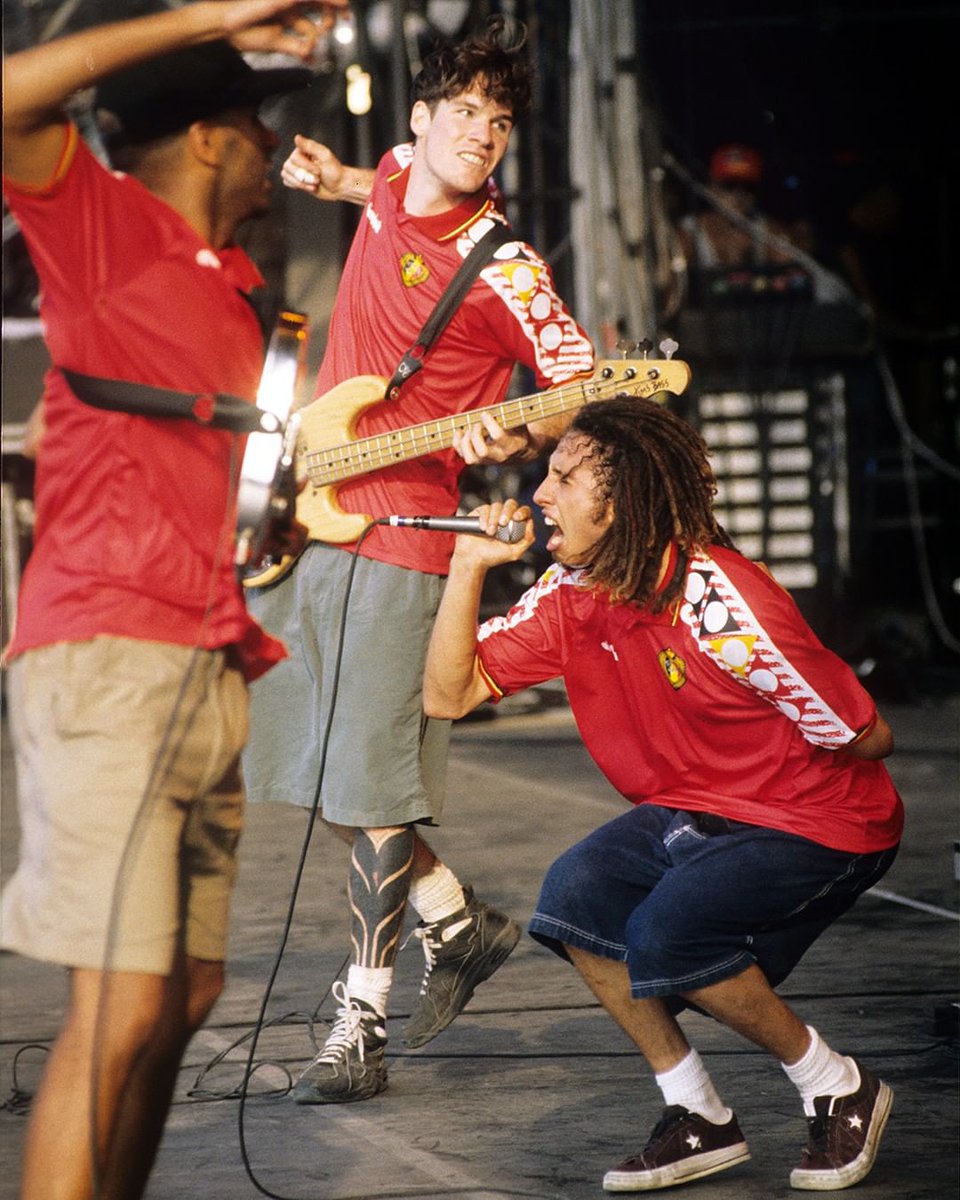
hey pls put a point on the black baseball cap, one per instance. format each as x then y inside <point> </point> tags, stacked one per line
<point>170,92</point>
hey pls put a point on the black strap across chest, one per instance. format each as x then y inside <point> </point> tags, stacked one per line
<point>481,254</point>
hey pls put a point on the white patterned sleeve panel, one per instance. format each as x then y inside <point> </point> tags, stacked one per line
<point>727,631</point>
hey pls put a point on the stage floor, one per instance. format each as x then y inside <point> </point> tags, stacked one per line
<point>532,1092</point>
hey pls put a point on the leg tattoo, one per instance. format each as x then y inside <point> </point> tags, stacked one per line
<point>380,873</point>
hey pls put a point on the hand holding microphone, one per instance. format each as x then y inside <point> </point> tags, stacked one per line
<point>512,532</point>
<point>499,532</point>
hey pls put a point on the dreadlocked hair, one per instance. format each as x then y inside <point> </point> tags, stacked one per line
<point>494,60</point>
<point>654,468</point>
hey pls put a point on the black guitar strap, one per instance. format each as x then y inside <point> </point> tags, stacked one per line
<point>481,254</point>
<point>216,410</point>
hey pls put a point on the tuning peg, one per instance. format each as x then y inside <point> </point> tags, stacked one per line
<point>626,346</point>
<point>668,348</point>
<point>645,346</point>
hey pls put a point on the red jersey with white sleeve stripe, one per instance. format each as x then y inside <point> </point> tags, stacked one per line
<point>725,702</point>
<point>135,516</point>
<point>396,271</point>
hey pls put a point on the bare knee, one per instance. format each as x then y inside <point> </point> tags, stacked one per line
<point>205,980</point>
<point>123,1013</point>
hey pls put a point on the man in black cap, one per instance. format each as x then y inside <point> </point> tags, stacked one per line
<point>133,647</point>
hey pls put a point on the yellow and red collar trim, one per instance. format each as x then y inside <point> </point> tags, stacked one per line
<point>445,226</point>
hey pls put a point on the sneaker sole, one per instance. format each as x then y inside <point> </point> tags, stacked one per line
<point>308,1094</point>
<point>503,946</point>
<point>680,1172</point>
<point>844,1177</point>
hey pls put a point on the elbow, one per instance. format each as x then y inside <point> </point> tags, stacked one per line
<point>882,746</point>
<point>451,705</point>
<point>877,744</point>
<point>440,705</point>
<point>444,711</point>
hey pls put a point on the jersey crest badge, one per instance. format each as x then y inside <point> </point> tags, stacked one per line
<point>673,667</point>
<point>413,269</point>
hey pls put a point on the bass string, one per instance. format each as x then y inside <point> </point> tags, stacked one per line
<point>338,463</point>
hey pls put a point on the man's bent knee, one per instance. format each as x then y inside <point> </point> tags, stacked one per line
<point>205,980</point>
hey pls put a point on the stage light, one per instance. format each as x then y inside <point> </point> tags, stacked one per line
<point>358,90</point>
<point>344,32</point>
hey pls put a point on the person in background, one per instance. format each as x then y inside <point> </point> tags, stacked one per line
<point>712,241</point>
<point>750,755</point>
<point>425,207</point>
<point>132,650</point>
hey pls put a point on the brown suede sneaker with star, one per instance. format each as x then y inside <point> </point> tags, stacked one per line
<point>844,1136</point>
<point>683,1146</point>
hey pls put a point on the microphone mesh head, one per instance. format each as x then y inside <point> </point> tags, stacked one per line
<point>511,532</point>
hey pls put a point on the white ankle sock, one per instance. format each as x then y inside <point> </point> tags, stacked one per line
<point>437,894</point>
<point>371,984</point>
<point>689,1084</point>
<point>821,1072</point>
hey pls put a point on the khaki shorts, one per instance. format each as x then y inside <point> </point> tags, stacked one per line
<point>130,800</point>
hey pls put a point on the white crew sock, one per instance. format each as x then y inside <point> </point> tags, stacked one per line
<point>371,984</point>
<point>821,1072</point>
<point>689,1084</point>
<point>437,894</point>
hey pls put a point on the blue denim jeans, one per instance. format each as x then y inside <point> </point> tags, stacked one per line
<point>688,900</point>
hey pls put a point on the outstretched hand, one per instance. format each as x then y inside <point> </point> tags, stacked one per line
<point>279,26</point>
<point>314,168</point>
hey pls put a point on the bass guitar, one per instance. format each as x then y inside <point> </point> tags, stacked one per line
<point>328,452</point>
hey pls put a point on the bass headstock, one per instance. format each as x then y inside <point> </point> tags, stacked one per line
<point>643,376</point>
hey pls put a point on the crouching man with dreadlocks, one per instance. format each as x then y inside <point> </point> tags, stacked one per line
<point>748,751</point>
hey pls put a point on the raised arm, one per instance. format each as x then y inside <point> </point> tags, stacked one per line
<point>38,82</point>
<point>453,683</point>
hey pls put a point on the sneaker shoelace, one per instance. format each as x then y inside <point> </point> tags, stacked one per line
<point>431,945</point>
<point>672,1115</point>
<point>347,1029</point>
<point>431,938</point>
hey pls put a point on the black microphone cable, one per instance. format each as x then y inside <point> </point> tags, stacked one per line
<point>261,1022</point>
<point>313,812</point>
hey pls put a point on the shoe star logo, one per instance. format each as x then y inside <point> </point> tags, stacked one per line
<point>855,1122</point>
<point>693,1141</point>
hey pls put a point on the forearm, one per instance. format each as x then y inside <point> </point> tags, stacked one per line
<point>453,684</point>
<point>875,742</point>
<point>38,82</point>
<point>354,187</point>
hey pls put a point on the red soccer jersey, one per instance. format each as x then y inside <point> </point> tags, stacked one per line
<point>135,517</point>
<point>397,269</point>
<point>725,703</point>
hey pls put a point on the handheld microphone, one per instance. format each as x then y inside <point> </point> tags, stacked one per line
<point>512,532</point>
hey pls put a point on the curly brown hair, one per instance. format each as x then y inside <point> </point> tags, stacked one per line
<point>495,60</point>
<point>653,466</point>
